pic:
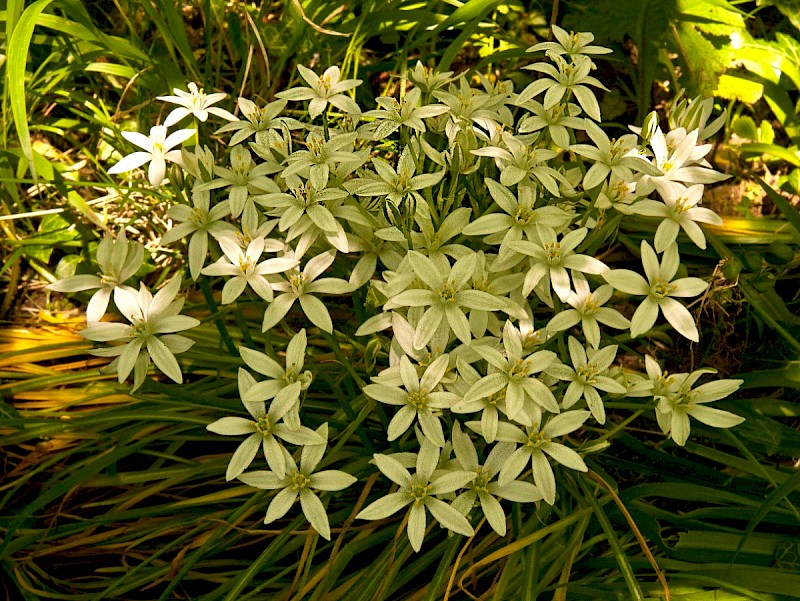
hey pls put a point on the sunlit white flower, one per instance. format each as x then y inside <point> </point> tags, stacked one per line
<point>245,268</point>
<point>156,150</point>
<point>195,102</point>
<point>678,211</point>
<point>570,43</point>
<point>324,89</point>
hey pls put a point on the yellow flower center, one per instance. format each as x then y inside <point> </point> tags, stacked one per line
<point>661,289</point>
<point>300,481</point>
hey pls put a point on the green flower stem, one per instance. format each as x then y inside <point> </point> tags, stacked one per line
<point>530,570</point>
<point>615,544</point>
<point>212,306</point>
<point>337,352</point>
<point>325,130</point>
<point>243,327</point>
<point>444,568</point>
<point>354,420</point>
<point>619,427</point>
<point>594,194</point>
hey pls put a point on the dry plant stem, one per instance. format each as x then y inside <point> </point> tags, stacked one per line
<point>553,19</point>
<point>347,526</point>
<point>313,25</point>
<point>642,542</point>
<point>458,561</point>
<point>302,563</point>
<point>260,46</point>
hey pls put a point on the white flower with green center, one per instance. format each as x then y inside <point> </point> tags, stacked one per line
<point>195,102</point>
<point>324,89</point>
<point>151,333</point>
<point>678,211</point>
<point>418,399</point>
<point>618,156</point>
<point>618,194</point>
<point>482,489</point>
<point>118,261</point>
<point>446,299</point>
<point>570,43</point>
<point>521,162</point>
<point>243,179</point>
<point>517,221</point>
<point>258,121</point>
<point>570,77</point>
<point>199,221</point>
<point>428,79</point>
<point>408,112</point>
<point>282,384</point>
<point>552,257</point>
<point>558,120</point>
<point>467,106</point>
<point>659,289</point>
<point>500,284</point>
<point>489,406</point>
<point>588,310</point>
<point>244,268</point>
<point>320,157</point>
<point>157,150</point>
<point>588,374</point>
<point>396,186</point>
<point>537,444</point>
<point>435,242</point>
<point>420,491</point>
<point>515,373</point>
<point>302,286</point>
<point>301,482</point>
<point>677,401</point>
<point>263,432</point>
<point>307,210</point>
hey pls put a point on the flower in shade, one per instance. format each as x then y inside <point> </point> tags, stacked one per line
<point>118,261</point>
<point>482,489</point>
<point>536,445</point>
<point>156,150</point>
<point>677,400</point>
<point>419,399</point>
<point>150,335</point>
<point>301,481</point>
<point>264,431</point>
<point>420,491</point>
<point>659,289</point>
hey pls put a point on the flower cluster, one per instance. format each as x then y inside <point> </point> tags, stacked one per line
<point>464,215</point>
